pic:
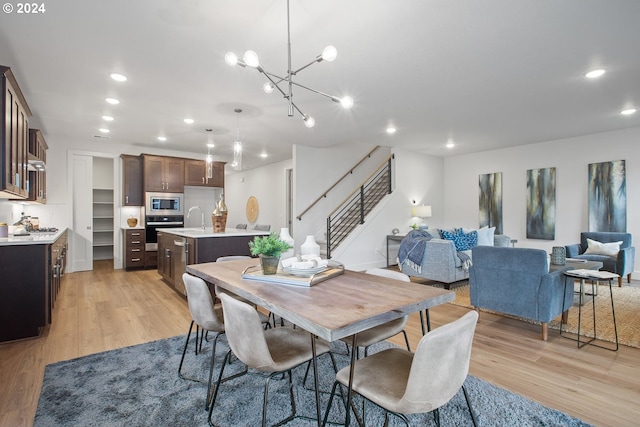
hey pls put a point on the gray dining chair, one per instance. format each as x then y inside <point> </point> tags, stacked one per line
<point>403,383</point>
<point>271,352</point>
<point>262,227</point>
<point>241,226</point>
<point>265,319</point>
<point>387,330</point>
<point>205,316</point>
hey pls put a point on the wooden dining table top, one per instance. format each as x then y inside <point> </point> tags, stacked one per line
<point>336,308</point>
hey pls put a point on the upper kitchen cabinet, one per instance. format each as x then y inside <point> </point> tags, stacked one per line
<point>37,166</point>
<point>132,180</point>
<point>14,138</point>
<point>164,174</point>
<point>202,174</point>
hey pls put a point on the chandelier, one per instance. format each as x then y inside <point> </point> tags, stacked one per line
<point>237,144</point>
<point>250,59</point>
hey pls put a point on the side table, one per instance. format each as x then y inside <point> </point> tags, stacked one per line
<point>594,276</point>
<point>393,238</point>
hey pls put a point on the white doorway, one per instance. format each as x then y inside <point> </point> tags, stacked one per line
<point>85,232</point>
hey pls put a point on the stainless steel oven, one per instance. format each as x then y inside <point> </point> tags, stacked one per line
<point>154,223</point>
<point>164,204</point>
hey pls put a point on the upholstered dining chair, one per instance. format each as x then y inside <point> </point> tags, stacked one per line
<point>241,226</point>
<point>262,227</point>
<point>382,332</point>
<point>273,352</point>
<point>206,317</point>
<point>404,383</point>
<point>265,319</point>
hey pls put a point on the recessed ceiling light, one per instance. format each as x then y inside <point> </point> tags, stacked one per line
<point>628,111</point>
<point>189,121</point>
<point>104,130</point>
<point>107,118</point>
<point>162,138</point>
<point>450,144</point>
<point>264,155</point>
<point>112,101</point>
<point>391,130</point>
<point>118,77</point>
<point>211,145</point>
<point>594,74</point>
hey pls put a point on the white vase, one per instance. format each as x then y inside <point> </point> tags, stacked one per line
<point>310,247</point>
<point>286,237</point>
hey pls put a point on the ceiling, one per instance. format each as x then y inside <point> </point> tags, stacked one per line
<point>484,74</point>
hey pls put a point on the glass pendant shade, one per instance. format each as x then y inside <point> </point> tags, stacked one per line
<point>251,59</point>
<point>329,53</point>
<point>237,155</point>
<point>231,58</point>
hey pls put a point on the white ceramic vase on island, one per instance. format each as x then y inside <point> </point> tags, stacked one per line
<point>310,247</point>
<point>286,237</point>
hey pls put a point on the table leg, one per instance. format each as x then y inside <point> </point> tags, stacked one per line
<point>426,312</point>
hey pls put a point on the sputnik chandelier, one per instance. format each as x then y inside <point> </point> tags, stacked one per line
<point>250,58</point>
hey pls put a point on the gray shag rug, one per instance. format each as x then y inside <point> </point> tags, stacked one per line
<point>139,386</point>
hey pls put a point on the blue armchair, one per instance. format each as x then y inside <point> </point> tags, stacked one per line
<point>621,264</point>
<point>517,281</point>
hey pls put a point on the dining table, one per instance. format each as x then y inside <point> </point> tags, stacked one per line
<point>333,309</point>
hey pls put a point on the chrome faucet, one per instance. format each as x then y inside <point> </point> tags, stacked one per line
<point>201,211</point>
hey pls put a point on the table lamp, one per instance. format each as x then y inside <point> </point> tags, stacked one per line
<point>422,212</point>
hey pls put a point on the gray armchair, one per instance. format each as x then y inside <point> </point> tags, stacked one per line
<point>517,281</point>
<point>621,264</point>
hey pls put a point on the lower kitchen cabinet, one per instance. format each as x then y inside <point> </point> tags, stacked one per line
<point>31,278</point>
<point>134,248</point>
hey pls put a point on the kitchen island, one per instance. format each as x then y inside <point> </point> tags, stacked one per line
<point>179,247</point>
<point>32,267</point>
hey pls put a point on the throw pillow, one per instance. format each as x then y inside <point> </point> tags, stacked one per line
<point>599,248</point>
<point>485,236</point>
<point>461,240</point>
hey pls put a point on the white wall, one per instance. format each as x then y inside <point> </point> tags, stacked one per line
<point>268,185</point>
<point>570,157</point>
<point>417,177</point>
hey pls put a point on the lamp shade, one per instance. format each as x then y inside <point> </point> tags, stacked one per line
<point>422,211</point>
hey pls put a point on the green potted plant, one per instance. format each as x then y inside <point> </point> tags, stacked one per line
<point>268,248</point>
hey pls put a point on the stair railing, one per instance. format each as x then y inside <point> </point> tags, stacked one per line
<point>324,195</point>
<point>352,211</point>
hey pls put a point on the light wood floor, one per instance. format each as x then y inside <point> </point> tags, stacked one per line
<point>107,309</point>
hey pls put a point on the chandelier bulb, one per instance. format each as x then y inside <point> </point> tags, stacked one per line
<point>346,102</point>
<point>329,53</point>
<point>251,59</point>
<point>309,121</point>
<point>268,87</point>
<point>231,59</point>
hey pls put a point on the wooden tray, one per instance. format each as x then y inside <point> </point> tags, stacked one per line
<point>254,272</point>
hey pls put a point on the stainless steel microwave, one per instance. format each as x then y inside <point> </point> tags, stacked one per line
<point>165,204</point>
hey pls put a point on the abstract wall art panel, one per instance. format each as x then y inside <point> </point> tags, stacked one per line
<point>608,196</point>
<point>491,200</point>
<point>541,204</point>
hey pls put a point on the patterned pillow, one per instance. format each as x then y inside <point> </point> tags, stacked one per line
<point>461,240</point>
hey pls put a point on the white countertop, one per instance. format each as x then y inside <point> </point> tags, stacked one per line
<point>197,232</point>
<point>32,239</point>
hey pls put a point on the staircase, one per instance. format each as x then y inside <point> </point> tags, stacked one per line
<point>355,208</point>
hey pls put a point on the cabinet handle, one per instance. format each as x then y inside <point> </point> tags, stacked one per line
<point>135,242</point>
<point>203,179</point>
<point>126,199</point>
<point>135,259</point>
<point>135,250</point>
<point>135,234</point>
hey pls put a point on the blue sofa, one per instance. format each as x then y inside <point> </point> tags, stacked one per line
<point>621,264</point>
<point>517,281</point>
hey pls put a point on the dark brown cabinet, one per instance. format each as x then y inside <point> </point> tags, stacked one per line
<point>28,292</point>
<point>134,248</point>
<point>195,173</point>
<point>132,180</point>
<point>164,174</point>
<point>37,162</point>
<point>14,137</point>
